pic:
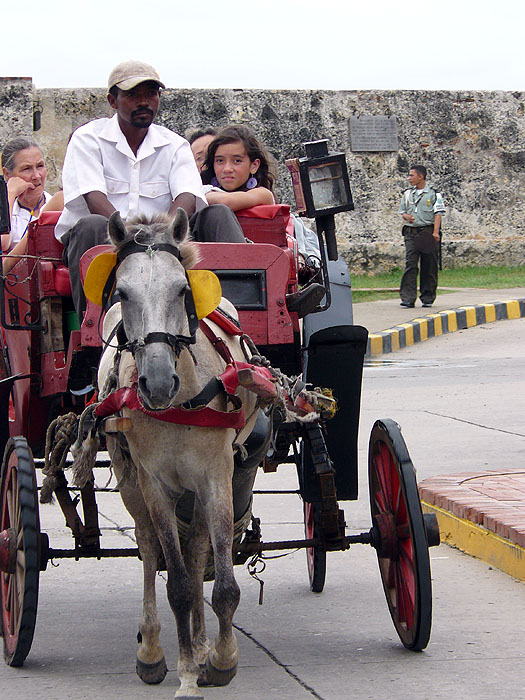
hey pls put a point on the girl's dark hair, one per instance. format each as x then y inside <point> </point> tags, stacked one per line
<point>238,132</point>
<point>20,143</point>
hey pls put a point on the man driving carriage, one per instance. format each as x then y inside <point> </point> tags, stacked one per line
<point>129,164</point>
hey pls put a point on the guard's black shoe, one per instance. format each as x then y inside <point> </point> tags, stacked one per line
<point>426,306</point>
<point>407,304</point>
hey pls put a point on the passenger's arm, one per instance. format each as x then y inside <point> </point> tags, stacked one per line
<point>241,200</point>
<point>98,203</point>
<point>14,256</point>
<point>6,240</point>
<point>55,203</point>
<point>186,201</point>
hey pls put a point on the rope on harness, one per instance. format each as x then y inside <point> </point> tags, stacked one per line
<point>60,436</point>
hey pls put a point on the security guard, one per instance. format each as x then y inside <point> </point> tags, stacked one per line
<point>421,209</point>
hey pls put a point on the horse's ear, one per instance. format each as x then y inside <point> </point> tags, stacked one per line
<point>116,229</point>
<point>179,226</point>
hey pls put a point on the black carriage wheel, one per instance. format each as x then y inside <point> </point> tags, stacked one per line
<point>399,534</point>
<point>315,556</point>
<point>19,513</point>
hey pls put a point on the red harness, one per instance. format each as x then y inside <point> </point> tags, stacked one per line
<point>201,415</point>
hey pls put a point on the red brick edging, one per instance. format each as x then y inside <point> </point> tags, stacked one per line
<point>493,499</point>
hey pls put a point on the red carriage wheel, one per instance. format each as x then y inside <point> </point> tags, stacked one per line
<point>19,577</point>
<point>315,556</point>
<point>399,534</point>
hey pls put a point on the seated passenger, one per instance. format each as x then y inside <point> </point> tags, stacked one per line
<point>25,172</point>
<point>237,170</point>
<point>238,173</point>
<point>199,140</point>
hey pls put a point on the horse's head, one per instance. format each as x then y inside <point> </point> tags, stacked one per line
<point>157,312</point>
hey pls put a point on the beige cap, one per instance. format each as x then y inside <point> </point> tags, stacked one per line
<point>131,73</point>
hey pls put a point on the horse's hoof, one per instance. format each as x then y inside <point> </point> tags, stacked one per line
<point>215,676</point>
<point>152,674</point>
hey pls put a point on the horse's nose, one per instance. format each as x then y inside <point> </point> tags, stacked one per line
<point>158,394</point>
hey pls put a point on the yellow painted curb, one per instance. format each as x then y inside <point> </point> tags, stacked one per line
<point>479,542</point>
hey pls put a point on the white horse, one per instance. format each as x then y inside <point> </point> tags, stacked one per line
<point>158,462</point>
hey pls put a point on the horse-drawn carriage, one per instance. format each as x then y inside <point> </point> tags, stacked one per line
<point>285,353</point>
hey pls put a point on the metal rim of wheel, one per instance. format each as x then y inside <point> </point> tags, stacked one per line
<point>19,514</point>
<point>398,523</point>
<point>315,556</point>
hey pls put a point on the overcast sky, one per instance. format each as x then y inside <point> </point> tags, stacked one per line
<point>326,44</point>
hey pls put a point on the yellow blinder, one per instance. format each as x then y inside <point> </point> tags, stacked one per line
<point>206,290</point>
<point>205,285</point>
<point>97,275</point>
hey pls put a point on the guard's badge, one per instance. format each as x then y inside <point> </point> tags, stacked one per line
<point>428,202</point>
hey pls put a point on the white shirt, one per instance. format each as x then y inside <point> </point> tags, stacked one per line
<point>20,220</point>
<point>98,158</point>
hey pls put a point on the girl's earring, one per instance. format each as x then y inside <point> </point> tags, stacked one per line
<point>214,181</point>
<point>251,183</point>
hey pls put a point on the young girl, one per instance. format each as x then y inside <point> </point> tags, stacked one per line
<point>237,169</point>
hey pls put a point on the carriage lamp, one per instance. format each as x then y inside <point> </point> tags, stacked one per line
<point>321,188</point>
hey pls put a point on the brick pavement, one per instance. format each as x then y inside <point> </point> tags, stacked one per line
<point>493,499</point>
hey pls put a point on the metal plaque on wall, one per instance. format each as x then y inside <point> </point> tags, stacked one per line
<point>373,133</point>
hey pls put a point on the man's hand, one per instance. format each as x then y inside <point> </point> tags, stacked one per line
<point>408,218</point>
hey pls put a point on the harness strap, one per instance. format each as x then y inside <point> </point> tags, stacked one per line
<point>204,397</point>
<point>202,417</point>
<point>218,343</point>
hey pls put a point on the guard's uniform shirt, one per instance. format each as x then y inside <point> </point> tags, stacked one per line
<point>423,205</point>
<point>99,159</point>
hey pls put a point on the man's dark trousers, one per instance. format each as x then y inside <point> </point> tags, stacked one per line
<point>428,274</point>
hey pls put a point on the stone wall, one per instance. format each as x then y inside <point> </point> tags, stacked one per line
<point>473,144</point>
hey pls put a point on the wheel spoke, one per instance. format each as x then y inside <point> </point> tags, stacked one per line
<point>406,595</point>
<point>383,473</point>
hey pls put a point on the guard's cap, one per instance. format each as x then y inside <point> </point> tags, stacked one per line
<point>131,73</point>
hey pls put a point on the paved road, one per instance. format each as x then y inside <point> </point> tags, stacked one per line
<point>459,399</point>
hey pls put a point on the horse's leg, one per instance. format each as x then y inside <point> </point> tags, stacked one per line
<point>197,551</point>
<point>221,664</point>
<point>179,586</point>
<point>150,665</point>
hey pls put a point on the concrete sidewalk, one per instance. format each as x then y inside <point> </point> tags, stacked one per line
<point>481,513</point>
<point>392,327</point>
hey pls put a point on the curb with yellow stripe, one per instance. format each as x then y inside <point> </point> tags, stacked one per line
<point>420,329</point>
<point>479,542</point>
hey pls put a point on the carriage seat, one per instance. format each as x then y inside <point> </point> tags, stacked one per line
<point>53,275</point>
<point>268,223</point>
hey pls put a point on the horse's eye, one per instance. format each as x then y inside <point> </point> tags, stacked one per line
<point>121,294</point>
<point>183,291</point>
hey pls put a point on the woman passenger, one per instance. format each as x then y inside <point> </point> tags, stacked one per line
<point>25,174</point>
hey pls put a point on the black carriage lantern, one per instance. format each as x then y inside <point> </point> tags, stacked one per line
<point>321,188</point>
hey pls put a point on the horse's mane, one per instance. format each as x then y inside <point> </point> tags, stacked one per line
<point>153,229</point>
